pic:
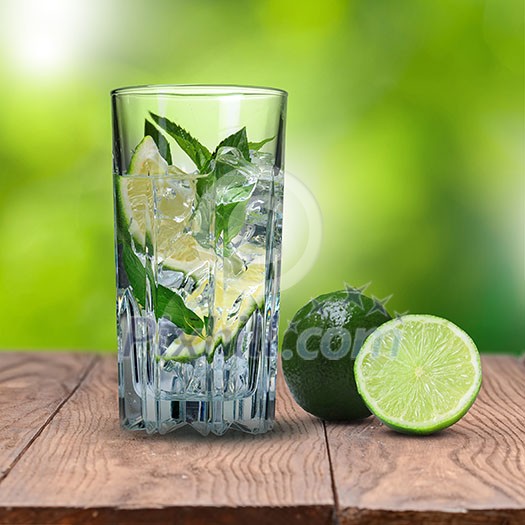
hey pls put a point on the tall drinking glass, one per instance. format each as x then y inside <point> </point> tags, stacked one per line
<point>198,187</point>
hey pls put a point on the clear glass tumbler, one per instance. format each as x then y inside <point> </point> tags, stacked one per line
<point>198,187</point>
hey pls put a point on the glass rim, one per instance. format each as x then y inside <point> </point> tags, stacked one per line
<point>198,90</point>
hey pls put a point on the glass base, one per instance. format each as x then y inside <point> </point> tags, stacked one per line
<point>157,411</point>
<point>247,415</point>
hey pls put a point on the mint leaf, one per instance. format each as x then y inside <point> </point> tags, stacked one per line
<point>230,219</point>
<point>167,303</point>
<point>256,146</point>
<point>160,140</point>
<point>237,140</point>
<point>204,183</point>
<point>171,305</point>
<point>197,152</point>
<point>136,273</point>
<point>232,187</point>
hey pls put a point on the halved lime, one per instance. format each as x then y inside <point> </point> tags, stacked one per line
<point>418,373</point>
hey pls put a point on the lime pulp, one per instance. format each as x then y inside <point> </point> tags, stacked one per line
<point>418,373</point>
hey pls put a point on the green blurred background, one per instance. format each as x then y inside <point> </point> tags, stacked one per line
<point>405,121</point>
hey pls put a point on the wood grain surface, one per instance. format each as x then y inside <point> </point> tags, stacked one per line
<point>33,386</point>
<point>66,461</point>
<point>473,472</point>
<point>84,469</point>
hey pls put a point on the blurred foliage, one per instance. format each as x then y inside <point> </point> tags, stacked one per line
<point>405,120</point>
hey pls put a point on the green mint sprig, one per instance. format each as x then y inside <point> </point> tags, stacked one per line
<point>256,146</point>
<point>237,140</point>
<point>197,152</point>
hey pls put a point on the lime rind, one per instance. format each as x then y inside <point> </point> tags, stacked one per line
<point>147,160</point>
<point>185,351</point>
<point>319,349</point>
<point>418,373</point>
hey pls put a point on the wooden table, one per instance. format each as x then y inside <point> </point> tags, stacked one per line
<point>64,459</point>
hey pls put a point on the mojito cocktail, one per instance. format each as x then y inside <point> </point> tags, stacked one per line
<point>198,244</point>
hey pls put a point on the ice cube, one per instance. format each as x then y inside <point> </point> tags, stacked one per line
<point>238,374</point>
<point>168,332</point>
<point>261,158</point>
<point>171,278</point>
<point>174,199</point>
<point>231,159</point>
<point>198,382</point>
<point>236,177</point>
<point>218,372</point>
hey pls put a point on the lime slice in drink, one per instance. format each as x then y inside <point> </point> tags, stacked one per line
<point>147,159</point>
<point>185,348</point>
<point>418,374</point>
<point>237,298</point>
<point>189,257</point>
<point>235,302</point>
<point>140,194</point>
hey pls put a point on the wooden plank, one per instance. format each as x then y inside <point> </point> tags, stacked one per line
<point>473,472</point>
<point>33,386</point>
<point>84,469</point>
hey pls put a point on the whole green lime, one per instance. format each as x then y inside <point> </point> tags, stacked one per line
<point>319,349</point>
